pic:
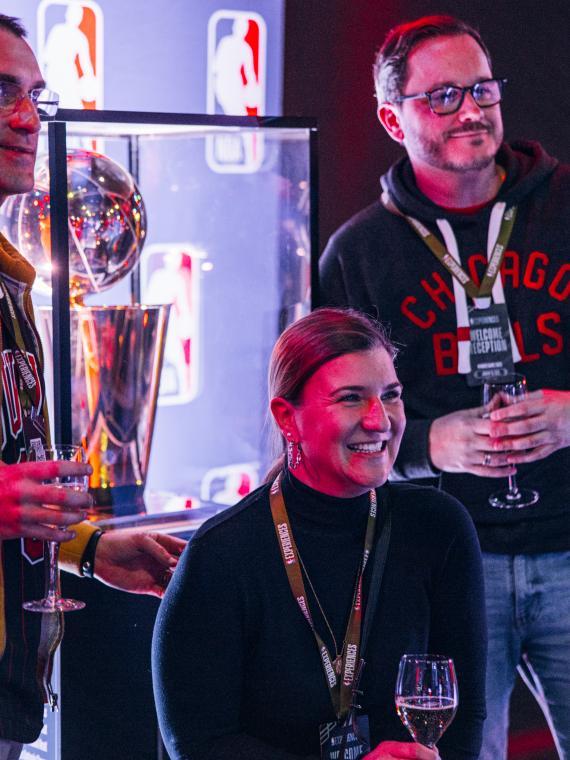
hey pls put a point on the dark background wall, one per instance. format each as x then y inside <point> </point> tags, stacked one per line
<point>329,49</point>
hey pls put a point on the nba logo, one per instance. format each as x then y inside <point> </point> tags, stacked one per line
<point>170,273</point>
<point>230,483</point>
<point>70,51</point>
<point>236,86</point>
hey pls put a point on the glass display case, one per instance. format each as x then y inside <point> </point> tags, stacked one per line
<point>227,214</point>
<point>229,210</point>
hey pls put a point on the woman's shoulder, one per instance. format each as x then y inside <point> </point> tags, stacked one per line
<point>425,504</point>
<point>237,521</point>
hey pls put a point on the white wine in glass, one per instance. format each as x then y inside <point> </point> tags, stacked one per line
<point>497,394</point>
<point>53,601</point>
<point>426,696</point>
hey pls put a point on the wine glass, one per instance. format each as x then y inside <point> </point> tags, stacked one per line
<point>496,394</point>
<point>426,695</point>
<point>53,601</point>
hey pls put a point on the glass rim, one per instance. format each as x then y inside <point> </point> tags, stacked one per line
<point>69,452</point>
<point>426,657</point>
<point>55,446</point>
<point>510,379</point>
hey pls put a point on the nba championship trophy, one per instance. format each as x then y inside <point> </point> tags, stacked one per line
<point>116,350</point>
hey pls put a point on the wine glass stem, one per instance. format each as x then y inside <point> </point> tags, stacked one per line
<point>52,576</point>
<point>513,488</point>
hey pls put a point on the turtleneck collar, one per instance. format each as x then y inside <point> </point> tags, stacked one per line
<point>305,503</point>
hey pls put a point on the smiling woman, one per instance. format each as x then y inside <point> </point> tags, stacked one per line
<point>340,404</point>
<point>327,567</point>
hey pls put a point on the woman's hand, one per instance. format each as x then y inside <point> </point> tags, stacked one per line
<point>401,751</point>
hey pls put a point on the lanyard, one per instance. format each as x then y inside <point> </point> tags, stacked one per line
<point>35,393</point>
<point>340,690</point>
<point>444,256</point>
<point>20,350</point>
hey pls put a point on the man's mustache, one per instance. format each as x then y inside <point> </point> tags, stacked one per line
<point>472,126</point>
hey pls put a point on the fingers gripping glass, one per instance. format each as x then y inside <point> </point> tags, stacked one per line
<point>496,395</point>
<point>449,99</point>
<point>45,101</point>
<point>53,601</point>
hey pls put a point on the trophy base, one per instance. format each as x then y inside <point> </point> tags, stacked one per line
<point>118,501</point>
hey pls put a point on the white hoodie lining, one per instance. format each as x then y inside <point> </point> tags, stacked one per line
<point>498,295</point>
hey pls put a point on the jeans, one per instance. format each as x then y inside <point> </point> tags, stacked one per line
<point>528,614</point>
<point>9,750</point>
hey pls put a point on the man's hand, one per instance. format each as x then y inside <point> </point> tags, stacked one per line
<point>401,751</point>
<point>461,442</point>
<point>141,563</point>
<point>542,426</point>
<point>31,509</point>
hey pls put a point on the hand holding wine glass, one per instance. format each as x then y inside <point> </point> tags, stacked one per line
<point>496,394</point>
<point>426,696</point>
<point>71,475</point>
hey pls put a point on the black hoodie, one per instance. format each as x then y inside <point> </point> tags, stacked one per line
<point>377,263</point>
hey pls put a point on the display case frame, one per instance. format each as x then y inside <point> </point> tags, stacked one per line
<point>120,631</point>
<point>131,125</point>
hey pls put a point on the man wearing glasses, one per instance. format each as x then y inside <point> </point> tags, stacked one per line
<point>140,563</point>
<point>466,255</point>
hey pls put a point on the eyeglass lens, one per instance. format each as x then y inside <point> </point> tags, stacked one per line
<point>449,99</point>
<point>44,101</point>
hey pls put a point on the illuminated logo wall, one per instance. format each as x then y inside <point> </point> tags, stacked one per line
<point>237,80</point>
<point>70,51</point>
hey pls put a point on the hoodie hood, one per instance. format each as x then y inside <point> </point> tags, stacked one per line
<point>526,165</point>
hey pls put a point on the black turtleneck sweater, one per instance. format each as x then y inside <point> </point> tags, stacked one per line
<point>236,669</point>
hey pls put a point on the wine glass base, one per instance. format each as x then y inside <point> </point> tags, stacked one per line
<point>53,605</point>
<point>524,497</point>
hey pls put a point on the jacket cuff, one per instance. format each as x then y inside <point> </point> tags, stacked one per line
<point>71,552</point>
<point>413,460</point>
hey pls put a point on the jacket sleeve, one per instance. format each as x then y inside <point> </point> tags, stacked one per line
<point>198,662</point>
<point>71,552</point>
<point>413,458</point>
<point>332,290</point>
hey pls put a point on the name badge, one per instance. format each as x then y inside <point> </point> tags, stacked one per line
<point>345,740</point>
<point>490,350</point>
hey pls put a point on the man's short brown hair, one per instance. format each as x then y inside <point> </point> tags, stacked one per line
<point>390,64</point>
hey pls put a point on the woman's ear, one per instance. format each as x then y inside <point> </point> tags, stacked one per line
<point>284,414</point>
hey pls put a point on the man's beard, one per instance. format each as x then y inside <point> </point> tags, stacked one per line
<point>433,151</point>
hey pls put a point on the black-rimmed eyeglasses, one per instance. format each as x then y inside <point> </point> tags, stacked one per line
<point>45,101</point>
<point>449,99</point>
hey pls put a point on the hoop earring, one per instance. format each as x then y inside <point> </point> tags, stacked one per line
<point>294,455</point>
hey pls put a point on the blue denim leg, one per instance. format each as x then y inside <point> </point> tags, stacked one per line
<point>528,608</point>
<point>503,654</point>
<point>546,645</point>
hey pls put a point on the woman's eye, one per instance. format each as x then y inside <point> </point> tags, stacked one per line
<point>394,395</point>
<point>350,397</point>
